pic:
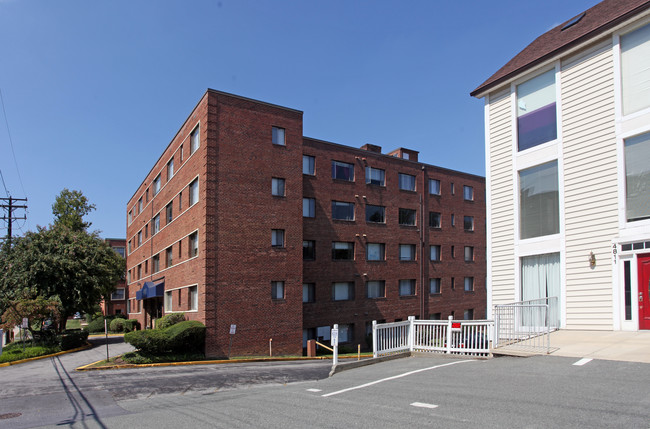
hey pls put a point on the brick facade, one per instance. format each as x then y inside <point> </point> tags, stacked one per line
<point>116,304</point>
<point>233,274</point>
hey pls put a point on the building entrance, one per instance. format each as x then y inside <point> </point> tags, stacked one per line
<point>644,291</point>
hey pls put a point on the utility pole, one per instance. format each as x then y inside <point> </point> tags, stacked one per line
<point>10,218</point>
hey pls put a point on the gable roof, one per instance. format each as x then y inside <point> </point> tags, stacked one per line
<point>595,22</point>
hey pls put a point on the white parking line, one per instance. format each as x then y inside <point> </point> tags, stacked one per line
<point>583,361</point>
<point>394,377</point>
<point>423,405</point>
<point>314,390</point>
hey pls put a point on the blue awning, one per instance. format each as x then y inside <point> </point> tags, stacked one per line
<point>150,290</point>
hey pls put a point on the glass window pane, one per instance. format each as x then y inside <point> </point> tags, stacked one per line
<point>536,117</point>
<point>434,187</point>
<point>637,177</point>
<point>308,165</point>
<point>539,201</point>
<point>635,69</point>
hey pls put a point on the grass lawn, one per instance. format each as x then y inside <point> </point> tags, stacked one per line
<point>73,324</point>
<point>14,351</point>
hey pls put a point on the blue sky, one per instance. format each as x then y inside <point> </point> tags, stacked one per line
<point>94,91</point>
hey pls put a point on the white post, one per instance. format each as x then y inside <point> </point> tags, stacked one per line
<point>335,344</point>
<point>374,338</point>
<point>449,334</point>
<point>2,340</point>
<point>411,333</point>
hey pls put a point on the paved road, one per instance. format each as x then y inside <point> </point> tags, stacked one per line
<point>543,391</point>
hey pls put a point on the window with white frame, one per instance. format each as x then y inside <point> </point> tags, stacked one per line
<point>140,238</point>
<point>376,252</point>
<point>156,185</point>
<point>468,193</point>
<point>342,251</point>
<point>118,294</point>
<point>342,291</point>
<point>407,217</point>
<point>277,136</point>
<point>434,187</point>
<point>169,215</point>
<point>342,171</point>
<point>308,250</point>
<point>194,192</point>
<point>140,205</point>
<point>407,287</point>
<point>637,177</point>
<point>168,301</point>
<point>635,69</point>
<point>308,207</point>
<point>342,210</point>
<point>376,289</point>
<point>308,292</point>
<point>536,116</point>
<point>407,252</point>
<point>375,214</point>
<point>434,286</point>
<point>434,252</point>
<point>277,237</point>
<point>469,284</point>
<point>540,278</point>
<point>435,220</point>
<point>155,264</point>
<point>130,217</point>
<point>194,298</point>
<point>539,202</point>
<point>169,256</point>
<point>277,290</point>
<point>170,169</point>
<point>308,165</point>
<point>469,253</point>
<point>156,224</point>
<point>406,182</point>
<point>277,187</point>
<point>468,223</point>
<point>193,244</point>
<point>375,176</point>
<point>195,140</point>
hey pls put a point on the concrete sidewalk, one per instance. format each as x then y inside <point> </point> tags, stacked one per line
<point>608,345</point>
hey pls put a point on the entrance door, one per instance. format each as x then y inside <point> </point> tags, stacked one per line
<point>644,292</point>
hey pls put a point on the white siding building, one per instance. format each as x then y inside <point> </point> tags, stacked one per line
<point>567,129</point>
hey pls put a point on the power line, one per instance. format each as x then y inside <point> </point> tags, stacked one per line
<point>11,144</point>
<point>3,183</point>
<point>10,218</point>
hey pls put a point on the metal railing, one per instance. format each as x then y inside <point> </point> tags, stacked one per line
<point>526,325</point>
<point>468,337</point>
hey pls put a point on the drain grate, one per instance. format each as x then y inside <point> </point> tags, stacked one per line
<point>10,415</point>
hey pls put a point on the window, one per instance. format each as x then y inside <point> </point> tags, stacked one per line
<point>308,250</point>
<point>277,187</point>
<point>376,289</point>
<point>308,292</point>
<point>637,177</point>
<point>194,244</point>
<point>635,69</point>
<point>375,214</point>
<point>195,139</point>
<point>170,169</point>
<point>156,185</point>
<point>277,290</point>
<point>434,286</point>
<point>342,251</point>
<point>169,256</point>
<point>435,252</point>
<point>435,316</point>
<point>139,271</point>
<point>540,278</point>
<point>120,251</point>
<point>180,201</point>
<point>168,213</point>
<point>468,314</point>
<point>130,217</point>
<point>277,237</point>
<point>434,187</point>
<point>194,192</point>
<point>146,231</point>
<point>469,284</point>
<point>407,217</point>
<point>407,287</point>
<point>406,182</point>
<point>453,283</point>
<point>194,298</point>
<point>308,165</point>
<point>168,302</point>
<point>376,251</point>
<point>435,219</point>
<point>468,223</point>
<point>146,267</point>
<point>308,207</point>
<point>139,238</point>
<point>453,189</point>
<point>468,193</point>
<point>536,117</point>
<point>140,205</point>
<point>342,291</point>
<point>146,195</point>
<point>342,171</point>
<point>453,220</point>
<point>155,264</point>
<point>539,212</point>
<point>180,152</point>
<point>453,251</point>
<point>342,210</point>
<point>469,253</point>
<point>407,252</point>
<point>345,333</point>
<point>375,176</point>
<point>129,246</point>
<point>118,294</point>
<point>277,136</point>
<point>156,224</point>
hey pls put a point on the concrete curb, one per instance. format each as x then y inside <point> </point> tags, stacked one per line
<point>351,365</point>
<point>16,362</point>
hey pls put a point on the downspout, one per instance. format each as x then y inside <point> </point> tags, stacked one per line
<point>422,226</point>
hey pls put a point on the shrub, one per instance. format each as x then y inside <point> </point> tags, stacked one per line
<point>71,339</point>
<point>169,320</point>
<point>131,325</point>
<point>118,324</point>
<point>187,336</point>
<point>149,341</point>
<point>96,325</point>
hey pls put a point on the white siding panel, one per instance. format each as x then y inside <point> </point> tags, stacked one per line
<point>590,188</point>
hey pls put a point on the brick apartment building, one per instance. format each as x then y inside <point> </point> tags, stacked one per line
<point>116,304</point>
<point>228,229</point>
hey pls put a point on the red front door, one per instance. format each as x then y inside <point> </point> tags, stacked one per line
<point>644,292</point>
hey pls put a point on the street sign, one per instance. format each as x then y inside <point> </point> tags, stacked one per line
<point>335,337</point>
<point>455,326</point>
<point>233,329</point>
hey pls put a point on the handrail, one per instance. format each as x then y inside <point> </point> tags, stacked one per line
<point>323,345</point>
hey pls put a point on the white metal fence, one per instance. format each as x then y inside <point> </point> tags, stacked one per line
<point>526,325</point>
<point>469,337</point>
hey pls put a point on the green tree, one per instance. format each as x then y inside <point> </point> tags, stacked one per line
<point>69,209</point>
<point>37,310</point>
